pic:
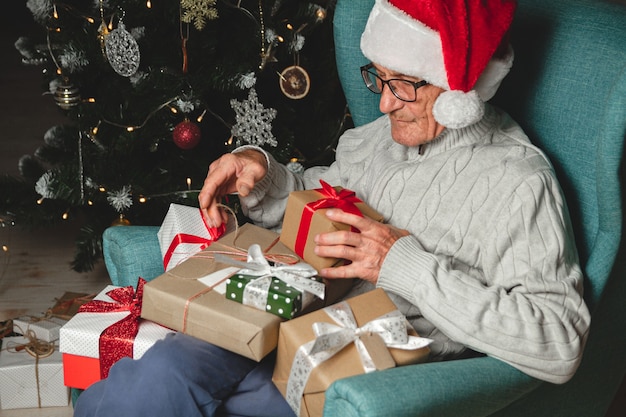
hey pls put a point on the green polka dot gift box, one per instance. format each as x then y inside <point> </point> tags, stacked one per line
<point>273,295</point>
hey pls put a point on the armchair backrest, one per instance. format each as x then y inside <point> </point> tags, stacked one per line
<point>567,89</point>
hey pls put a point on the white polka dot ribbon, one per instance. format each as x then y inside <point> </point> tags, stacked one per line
<point>255,294</point>
<point>331,338</point>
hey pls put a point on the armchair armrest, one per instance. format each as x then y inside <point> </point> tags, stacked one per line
<point>131,252</point>
<point>468,387</point>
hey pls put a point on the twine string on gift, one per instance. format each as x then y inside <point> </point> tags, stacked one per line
<point>47,317</point>
<point>37,348</point>
<point>331,339</point>
<point>117,340</point>
<point>344,199</point>
<point>232,254</point>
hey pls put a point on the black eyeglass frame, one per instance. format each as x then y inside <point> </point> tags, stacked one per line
<point>365,70</point>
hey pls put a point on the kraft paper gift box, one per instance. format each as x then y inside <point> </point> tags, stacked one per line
<point>305,217</point>
<point>27,382</point>
<point>184,233</point>
<point>190,297</point>
<point>44,328</point>
<point>303,385</point>
<point>87,356</point>
<point>67,306</point>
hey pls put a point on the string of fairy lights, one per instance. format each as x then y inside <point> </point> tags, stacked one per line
<point>67,96</point>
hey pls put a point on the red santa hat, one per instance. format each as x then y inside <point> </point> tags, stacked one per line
<point>450,44</point>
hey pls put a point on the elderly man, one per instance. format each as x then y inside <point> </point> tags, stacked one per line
<point>476,250</point>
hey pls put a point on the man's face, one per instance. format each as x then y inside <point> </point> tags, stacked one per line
<point>412,123</point>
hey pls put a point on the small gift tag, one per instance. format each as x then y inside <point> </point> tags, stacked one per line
<point>378,351</point>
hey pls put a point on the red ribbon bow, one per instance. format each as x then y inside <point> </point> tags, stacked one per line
<point>214,233</point>
<point>344,199</point>
<point>117,340</point>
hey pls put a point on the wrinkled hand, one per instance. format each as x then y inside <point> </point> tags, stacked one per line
<point>366,251</point>
<point>231,173</point>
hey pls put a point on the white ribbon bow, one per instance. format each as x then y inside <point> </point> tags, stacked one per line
<point>391,327</point>
<point>255,294</point>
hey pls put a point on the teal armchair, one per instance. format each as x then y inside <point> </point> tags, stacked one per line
<point>567,89</point>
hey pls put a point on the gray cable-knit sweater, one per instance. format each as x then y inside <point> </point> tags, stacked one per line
<point>491,262</point>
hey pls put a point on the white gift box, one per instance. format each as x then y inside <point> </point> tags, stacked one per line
<point>80,337</point>
<point>25,381</point>
<point>45,328</point>
<point>182,234</point>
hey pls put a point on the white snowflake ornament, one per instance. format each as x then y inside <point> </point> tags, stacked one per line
<point>120,199</point>
<point>254,122</point>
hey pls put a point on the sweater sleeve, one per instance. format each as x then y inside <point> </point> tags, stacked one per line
<point>522,303</point>
<point>266,204</point>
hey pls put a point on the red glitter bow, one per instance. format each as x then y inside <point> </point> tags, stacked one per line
<point>344,199</point>
<point>116,341</point>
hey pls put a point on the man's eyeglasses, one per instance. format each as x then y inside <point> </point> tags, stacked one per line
<point>405,90</point>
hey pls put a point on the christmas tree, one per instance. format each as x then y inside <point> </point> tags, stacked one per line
<point>154,91</point>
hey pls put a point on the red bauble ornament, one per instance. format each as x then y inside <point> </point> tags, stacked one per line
<point>186,135</point>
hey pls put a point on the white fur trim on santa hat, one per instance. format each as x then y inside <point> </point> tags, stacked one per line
<point>456,109</point>
<point>396,41</point>
<point>489,81</point>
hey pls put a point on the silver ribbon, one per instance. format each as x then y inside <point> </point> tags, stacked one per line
<point>330,339</point>
<point>255,294</point>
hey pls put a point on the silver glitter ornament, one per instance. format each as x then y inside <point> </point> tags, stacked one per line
<point>122,51</point>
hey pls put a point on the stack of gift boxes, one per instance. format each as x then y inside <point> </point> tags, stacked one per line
<point>31,370</point>
<point>251,291</point>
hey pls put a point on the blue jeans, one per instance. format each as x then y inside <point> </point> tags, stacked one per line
<point>184,376</point>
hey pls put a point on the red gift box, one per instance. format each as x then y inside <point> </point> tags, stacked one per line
<point>105,330</point>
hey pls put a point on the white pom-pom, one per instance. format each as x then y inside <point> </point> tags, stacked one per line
<point>456,109</point>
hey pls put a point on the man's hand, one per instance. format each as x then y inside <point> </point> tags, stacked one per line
<point>231,173</point>
<point>366,251</point>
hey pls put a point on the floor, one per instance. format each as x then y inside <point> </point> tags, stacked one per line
<point>35,269</point>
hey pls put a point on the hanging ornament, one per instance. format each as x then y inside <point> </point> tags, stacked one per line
<point>122,51</point>
<point>66,95</point>
<point>186,135</point>
<point>254,121</point>
<point>103,30</point>
<point>294,82</point>
<point>121,221</point>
